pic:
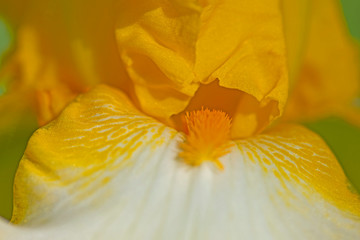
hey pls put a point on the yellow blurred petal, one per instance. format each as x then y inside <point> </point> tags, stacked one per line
<point>50,102</point>
<point>31,73</point>
<point>296,23</point>
<point>61,48</point>
<point>170,47</point>
<point>102,169</point>
<point>329,77</point>
<point>90,30</point>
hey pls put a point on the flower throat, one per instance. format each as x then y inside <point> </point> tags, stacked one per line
<point>207,134</point>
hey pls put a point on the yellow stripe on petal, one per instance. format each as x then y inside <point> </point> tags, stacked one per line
<point>104,170</point>
<point>103,128</point>
<point>295,154</point>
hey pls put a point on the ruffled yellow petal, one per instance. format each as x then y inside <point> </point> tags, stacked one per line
<point>157,42</point>
<point>102,169</point>
<point>242,45</point>
<point>172,48</point>
<point>168,49</point>
<point>328,80</point>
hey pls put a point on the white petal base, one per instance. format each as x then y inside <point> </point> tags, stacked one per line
<point>160,197</point>
<point>104,171</point>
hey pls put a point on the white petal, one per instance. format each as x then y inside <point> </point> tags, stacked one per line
<point>157,196</point>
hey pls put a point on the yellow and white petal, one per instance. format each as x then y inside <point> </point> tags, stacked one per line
<point>103,170</point>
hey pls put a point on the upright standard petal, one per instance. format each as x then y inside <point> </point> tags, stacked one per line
<point>296,23</point>
<point>241,44</point>
<point>103,170</point>
<point>60,49</point>
<point>171,49</point>
<point>328,80</point>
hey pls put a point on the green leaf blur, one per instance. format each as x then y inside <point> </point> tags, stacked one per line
<point>13,141</point>
<point>344,140</point>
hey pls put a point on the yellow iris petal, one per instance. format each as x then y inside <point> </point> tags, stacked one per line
<point>93,126</point>
<point>157,45</point>
<point>328,80</point>
<point>168,49</point>
<point>296,24</point>
<point>242,45</point>
<point>290,153</point>
<point>104,169</point>
<point>39,80</point>
<point>171,49</point>
<point>58,51</point>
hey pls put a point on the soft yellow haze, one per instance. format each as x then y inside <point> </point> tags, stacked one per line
<point>328,76</point>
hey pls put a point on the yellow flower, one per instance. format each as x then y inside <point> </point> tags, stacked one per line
<point>179,149</point>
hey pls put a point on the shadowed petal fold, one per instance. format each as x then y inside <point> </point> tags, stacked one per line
<point>171,49</point>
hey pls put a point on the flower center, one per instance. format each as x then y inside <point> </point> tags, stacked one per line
<point>207,134</point>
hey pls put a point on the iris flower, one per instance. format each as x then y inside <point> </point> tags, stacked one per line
<point>180,140</point>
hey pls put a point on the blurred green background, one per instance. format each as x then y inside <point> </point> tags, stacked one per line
<point>343,138</point>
